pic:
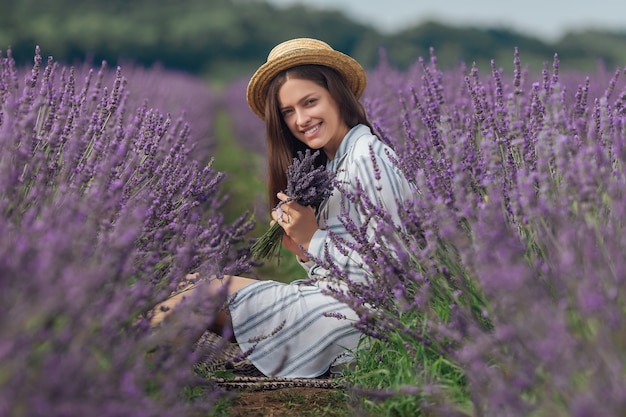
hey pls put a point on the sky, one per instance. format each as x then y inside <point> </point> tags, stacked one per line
<point>544,19</point>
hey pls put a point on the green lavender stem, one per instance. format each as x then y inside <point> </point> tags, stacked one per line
<point>269,243</point>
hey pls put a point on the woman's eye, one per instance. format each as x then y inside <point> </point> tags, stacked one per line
<point>311,101</point>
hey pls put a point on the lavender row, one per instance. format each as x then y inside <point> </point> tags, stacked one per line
<point>181,94</point>
<point>512,253</point>
<point>105,209</point>
<point>248,129</point>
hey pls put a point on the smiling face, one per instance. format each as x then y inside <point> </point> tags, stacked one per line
<point>312,115</point>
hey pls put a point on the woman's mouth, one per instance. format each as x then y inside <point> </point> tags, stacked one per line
<point>312,131</point>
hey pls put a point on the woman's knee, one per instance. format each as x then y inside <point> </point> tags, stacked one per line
<point>236,283</point>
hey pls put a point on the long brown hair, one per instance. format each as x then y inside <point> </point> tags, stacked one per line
<point>282,146</point>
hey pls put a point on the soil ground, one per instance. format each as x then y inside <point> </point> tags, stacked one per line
<point>288,402</point>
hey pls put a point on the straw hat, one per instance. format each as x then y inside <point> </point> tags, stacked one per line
<point>302,51</point>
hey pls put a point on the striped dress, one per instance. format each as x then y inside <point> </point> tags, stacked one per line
<point>287,327</point>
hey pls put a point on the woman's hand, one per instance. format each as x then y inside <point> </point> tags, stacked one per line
<point>299,223</point>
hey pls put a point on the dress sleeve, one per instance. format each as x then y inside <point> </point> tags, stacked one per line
<point>305,265</point>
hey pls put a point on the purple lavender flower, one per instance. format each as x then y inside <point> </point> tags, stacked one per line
<point>103,211</point>
<point>510,260</point>
<point>306,184</point>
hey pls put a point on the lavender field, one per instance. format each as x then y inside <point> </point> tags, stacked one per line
<point>510,262</point>
<point>501,294</point>
<point>107,203</point>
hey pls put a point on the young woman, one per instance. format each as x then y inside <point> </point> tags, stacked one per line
<point>308,95</point>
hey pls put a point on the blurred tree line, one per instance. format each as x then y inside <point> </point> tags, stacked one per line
<point>222,39</point>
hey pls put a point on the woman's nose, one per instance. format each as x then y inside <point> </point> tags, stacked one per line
<point>302,117</point>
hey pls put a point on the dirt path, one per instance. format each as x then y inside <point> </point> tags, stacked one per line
<point>290,402</point>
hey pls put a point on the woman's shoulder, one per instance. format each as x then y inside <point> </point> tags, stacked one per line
<point>367,142</point>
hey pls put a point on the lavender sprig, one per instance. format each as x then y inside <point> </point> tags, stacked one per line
<point>308,186</point>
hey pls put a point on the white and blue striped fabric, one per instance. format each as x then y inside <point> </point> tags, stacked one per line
<point>354,161</point>
<point>287,326</point>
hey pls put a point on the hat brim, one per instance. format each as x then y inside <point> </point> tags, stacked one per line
<point>346,66</point>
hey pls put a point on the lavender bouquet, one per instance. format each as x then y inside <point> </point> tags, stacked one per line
<point>306,184</point>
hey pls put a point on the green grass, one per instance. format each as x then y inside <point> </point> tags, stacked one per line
<point>243,169</point>
<point>401,362</point>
